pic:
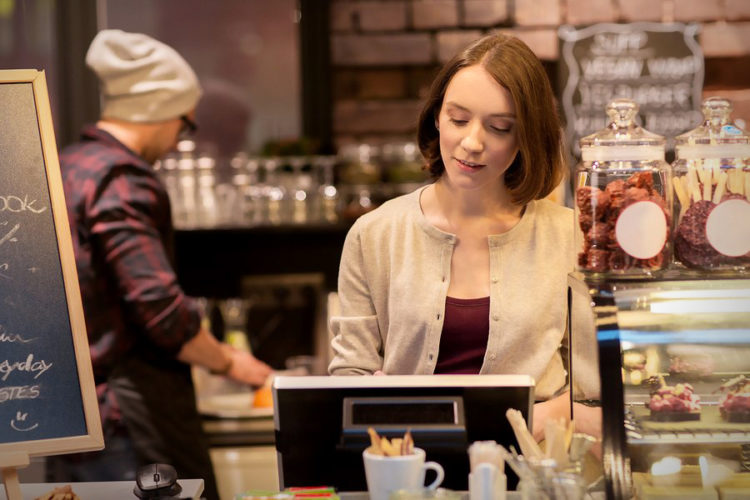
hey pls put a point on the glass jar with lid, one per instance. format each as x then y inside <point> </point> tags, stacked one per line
<point>622,197</point>
<point>712,193</point>
<point>360,164</point>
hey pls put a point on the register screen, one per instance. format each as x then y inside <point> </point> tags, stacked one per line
<point>412,413</point>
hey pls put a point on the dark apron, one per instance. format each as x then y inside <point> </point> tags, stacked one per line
<point>159,412</point>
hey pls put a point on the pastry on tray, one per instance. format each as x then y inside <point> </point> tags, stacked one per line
<point>677,403</point>
<point>734,406</point>
<point>634,367</point>
<point>60,493</point>
<point>691,367</point>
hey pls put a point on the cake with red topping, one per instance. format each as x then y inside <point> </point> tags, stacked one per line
<point>676,403</point>
<point>734,406</point>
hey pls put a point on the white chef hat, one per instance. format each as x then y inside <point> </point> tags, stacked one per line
<point>141,79</point>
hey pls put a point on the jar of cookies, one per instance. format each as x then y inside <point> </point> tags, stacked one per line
<point>622,197</point>
<point>711,186</point>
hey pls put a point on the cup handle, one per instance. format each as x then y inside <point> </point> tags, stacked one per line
<point>440,474</point>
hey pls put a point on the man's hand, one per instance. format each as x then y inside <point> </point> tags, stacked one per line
<point>246,368</point>
<point>222,359</point>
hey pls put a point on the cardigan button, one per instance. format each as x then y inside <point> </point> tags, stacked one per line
<point>496,316</point>
<point>494,280</point>
<point>492,356</point>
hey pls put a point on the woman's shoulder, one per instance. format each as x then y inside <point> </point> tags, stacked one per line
<point>554,220</point>
<point>549,211</point>
<point>392,213</point>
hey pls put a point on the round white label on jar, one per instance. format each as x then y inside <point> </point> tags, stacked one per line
<point>641,229</point>
<point>728,228</point>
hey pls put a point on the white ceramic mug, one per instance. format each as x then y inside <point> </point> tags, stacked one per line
<point>406,472</point>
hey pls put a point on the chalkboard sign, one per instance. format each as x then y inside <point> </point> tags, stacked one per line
<point>47,396</point>
<point>659,66</point>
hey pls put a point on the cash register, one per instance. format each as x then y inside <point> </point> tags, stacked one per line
<point>321,422</point>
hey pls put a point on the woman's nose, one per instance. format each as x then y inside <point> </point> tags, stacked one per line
<point>473,140</point>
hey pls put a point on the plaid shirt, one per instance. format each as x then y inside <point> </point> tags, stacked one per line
<point>123,241</point>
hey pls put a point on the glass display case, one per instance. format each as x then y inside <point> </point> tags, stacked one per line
<point>674,360</point>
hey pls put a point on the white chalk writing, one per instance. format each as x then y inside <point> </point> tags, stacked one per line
<point>17,204</point>
<point>619,43</point>
<point>596,95</point>
<point>6,336</point>
<point>9,235</point>
<point>612,68</point>
<point>673,67</point>
<point>11,393</point>
<point>27,365</point>
<point>19,423</point>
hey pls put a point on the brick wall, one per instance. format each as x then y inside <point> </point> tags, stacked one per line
<point>384,53</point>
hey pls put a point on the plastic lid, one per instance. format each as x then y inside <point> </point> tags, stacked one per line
<point>623,139</point>
<point>716,137</point>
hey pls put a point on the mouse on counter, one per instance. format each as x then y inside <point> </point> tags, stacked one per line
<point>156,481</point>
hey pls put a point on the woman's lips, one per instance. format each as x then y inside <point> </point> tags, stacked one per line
<point>468,166</point>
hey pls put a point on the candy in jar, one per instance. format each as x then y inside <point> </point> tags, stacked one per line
<point>622,198</point>
<point>711,184</point>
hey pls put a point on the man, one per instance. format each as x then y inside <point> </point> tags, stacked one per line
<point>143,331</point>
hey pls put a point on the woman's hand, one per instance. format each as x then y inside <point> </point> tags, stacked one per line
<point>588,420</point>
<point>556,408</point>
<point>379,372</point>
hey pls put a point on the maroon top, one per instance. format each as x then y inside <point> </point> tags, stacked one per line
<point>466,328</point>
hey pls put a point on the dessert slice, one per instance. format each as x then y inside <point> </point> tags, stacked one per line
<point>692,367</point>
<point>676,403</point>
<point>734,406</point>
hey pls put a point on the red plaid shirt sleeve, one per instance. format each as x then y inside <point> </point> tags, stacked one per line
<point>123,228</point>
<point>122,237</point>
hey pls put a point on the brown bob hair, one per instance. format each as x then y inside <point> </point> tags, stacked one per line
<point>538,166</point>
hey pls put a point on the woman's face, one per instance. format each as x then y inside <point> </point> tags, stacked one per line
<point>477,124</point>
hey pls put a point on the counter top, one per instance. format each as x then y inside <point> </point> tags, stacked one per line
<point>111,490</point>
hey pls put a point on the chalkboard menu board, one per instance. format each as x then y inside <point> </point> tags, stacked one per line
<point>659,66</point>
<point>47,395</point>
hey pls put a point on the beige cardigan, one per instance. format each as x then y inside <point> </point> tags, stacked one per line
<point>393,280</point>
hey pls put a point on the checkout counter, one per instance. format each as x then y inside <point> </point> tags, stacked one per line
<point>114,490</point>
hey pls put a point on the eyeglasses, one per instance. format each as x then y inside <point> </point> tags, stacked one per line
<point>189,127</point>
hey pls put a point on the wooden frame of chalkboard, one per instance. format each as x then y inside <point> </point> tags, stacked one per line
<point>48,402</point>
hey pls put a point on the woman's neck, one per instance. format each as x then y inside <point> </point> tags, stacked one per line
<point>483,203</point>
<point>467,213</point>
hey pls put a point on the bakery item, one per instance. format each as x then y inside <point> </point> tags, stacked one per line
<point>734,406</point>
<point>676,403</point>
<point>692,367</point>
<point>598,211</point>
<point>60,493</point>
<point>634,367</point>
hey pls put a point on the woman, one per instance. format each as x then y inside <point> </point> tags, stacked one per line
<point>468,274</point>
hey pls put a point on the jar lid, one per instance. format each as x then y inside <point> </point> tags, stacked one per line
<point>623,139</point>
<point>716,136</point>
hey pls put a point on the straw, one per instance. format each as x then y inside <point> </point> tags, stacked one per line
<point>526,441</point>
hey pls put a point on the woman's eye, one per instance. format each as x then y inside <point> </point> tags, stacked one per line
<point>458,122</point>
<point>500,130</point>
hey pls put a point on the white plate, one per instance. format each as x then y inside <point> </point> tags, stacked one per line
<point>232,406</point>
